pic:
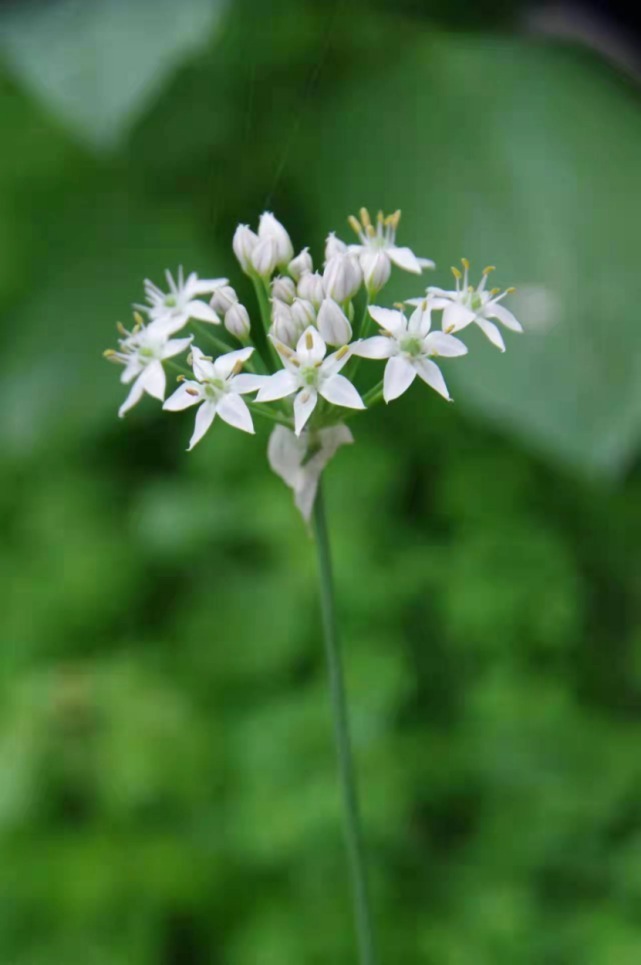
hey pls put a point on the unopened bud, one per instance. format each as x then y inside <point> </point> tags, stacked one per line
<point>333,323</point>
<point>342,277</point>
<point>264,257</point>
<point>301,264</point>
<point>244,242</point>
<point>377,268</point>
<point>334,246</point>
<point>285,328</point>
<point>311,288</point>
<point>284,289</point>
<point>271,228</point>
<point>303,313</point>
<point>223,299</point>
<point>237,321</point>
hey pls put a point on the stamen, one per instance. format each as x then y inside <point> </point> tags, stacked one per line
<point>121,328</point>
<point>138,319</point>
<point>180,378</point>
<point>490,268</point>
<point>465,264</point>
<point>495,291</point>
<point>190,391</point>
<point>354,224</point>
<point>400,306</point>
<point>510,291</point>
<point>371,233</point>
<point>342,352</point>
<point>309,341</point>
<point>365,218</point>
<point>238,367</point>
<point>108,353</point>
<point>457,274</point>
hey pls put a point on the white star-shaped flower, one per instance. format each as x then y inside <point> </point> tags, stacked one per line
<point>469,305</point>
<point>218,389</point>
<point>409,346</point>
<point>308,374</point>
<point>378,249</point>
<point>142,352</point>
<point>170,311</point>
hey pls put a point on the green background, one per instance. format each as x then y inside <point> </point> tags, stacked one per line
<point>167,783</point>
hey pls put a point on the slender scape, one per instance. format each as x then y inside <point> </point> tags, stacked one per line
<point>353,832</point>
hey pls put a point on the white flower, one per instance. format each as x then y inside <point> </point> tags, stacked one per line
<point>469,305</point>
<point>333,323</point>
<point>300,265</point>
<point>311,288</point>
<point>171,311</point>
<point>308,374</point>
<point>237,321</point>
<point>342,276</point>
<point>218,390</point>
<point>142,352</point>
<point>271,229</point>
<point>285,328</point>
<point>300,460</point>
<point>303,313</point>
<point>243,243</point>
<point>334,246</point>
<point>378,249</point>
<point>264,257</point>
<point>284,289</point>
<point>409,346</point>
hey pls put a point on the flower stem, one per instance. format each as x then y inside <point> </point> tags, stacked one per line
<point>259,332</point>
<point>353,832</point>
<point>260,410</point>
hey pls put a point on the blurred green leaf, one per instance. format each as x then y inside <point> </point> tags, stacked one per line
<point>98,65</point>
<point>527,157</point>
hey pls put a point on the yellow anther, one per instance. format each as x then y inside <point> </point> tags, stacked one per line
<point>465,264</point>
<point>510,291</point>
<point>108,353</point>
<point>371,232</point>
<point>396,218</point>
<point>309,341</point>
<point>400,306</point>
<point>180,378</point>
<point>355,224</point>
<point>457,274</point>
<point>380,217</point>
<point>489,269</point>
<point>365,218</point>
<point>238,367</point>
<point>138,319</point>
<point>495,291</point>
<point>191,391</point>
<point>121,328</point>
<point>342,352</point>
<point>283,349</point>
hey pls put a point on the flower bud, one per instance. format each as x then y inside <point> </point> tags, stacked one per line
<point>334,246</point>
<point>342,277</point>
<point>284,289</point>
<point>311,288</point>
<point>244,242</point>
<point>270,228</point>
<point>237,321</point>
<point>333,323</point>
<point>285,328</point>
<point>223,299</point>
<point>303,313</point>
<point>264,257</point>
<point>377,268</point>
<point>301,264</point>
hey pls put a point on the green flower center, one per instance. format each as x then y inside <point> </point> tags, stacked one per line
<point>170,301</point>
<point>309,376</point>
<point>412,346</point>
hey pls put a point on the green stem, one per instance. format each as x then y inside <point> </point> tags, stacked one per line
<point>374,395</point>
<point>268,414</point>
<point>360,332</point>
<point>353,832</point>
<point>220,343</point>
<point>259,331</point>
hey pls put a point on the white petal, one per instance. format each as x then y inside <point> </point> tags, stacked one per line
<point>247,382</point>
<point>336,361</point>
<point>132,369</point>
<point>405,259</point>
<point>206,286</point>
<point>491,331</point>
<point>234,411</point>
<point>399,375</point>
<point>154,380</point>
<point>225,364</point>
<point>431,374</point>
<point>389,319</point>
<point>503,315</point>
<point>204,418</point>
<point>310,347</point>
<point>456,317</point>
<point>184,397</point>
<point>426,263</point>
<point>438,343</point>
<point>202,365</point>
<point>202,311</point>
<point>304,405</point>
<point>339,391</point>
<point>176,346</point>
<point>277,386</point>
<point>420,321</point>
<point>377,347</point>
<point>135,395</point>
<point>167,323</point>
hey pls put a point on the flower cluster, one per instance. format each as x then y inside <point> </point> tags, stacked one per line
<point>303,347</point>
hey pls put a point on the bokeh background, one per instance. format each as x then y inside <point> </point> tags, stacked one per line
<point>167,782</point>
